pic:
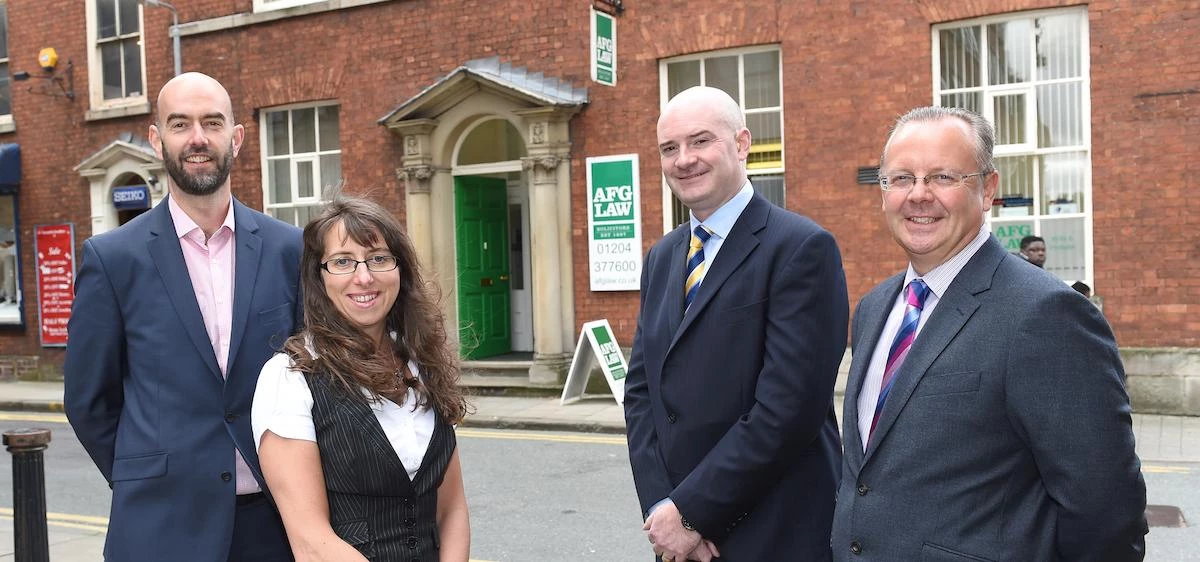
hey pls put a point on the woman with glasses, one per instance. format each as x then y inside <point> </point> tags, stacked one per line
<point>354,419</point>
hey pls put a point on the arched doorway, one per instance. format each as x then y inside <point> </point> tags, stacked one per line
<point>491,210</point>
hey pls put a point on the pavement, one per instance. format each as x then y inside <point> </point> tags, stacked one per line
<point>1159,439</point>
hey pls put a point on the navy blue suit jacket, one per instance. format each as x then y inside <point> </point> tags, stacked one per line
<point>143,389</point>
<point>1006,435</point>
<point>730,408</point>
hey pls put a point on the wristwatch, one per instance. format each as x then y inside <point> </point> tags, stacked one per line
<point>685,523</point>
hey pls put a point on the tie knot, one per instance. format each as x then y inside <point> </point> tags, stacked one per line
<point>917,292</point>
<point>700,236</point>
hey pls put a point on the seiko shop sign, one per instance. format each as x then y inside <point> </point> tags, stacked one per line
<point>132,197</point>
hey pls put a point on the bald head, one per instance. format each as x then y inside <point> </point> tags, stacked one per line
<point>723,108</point>
<point>189,86</point>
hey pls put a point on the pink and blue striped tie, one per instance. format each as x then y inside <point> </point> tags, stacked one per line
<point>914,296</point>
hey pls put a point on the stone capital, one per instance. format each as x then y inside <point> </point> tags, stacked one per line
<point>416,178</point>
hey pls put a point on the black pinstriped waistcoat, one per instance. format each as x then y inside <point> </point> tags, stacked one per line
<point>372,504</point>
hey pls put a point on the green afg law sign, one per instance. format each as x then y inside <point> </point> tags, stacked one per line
<point>614,223</point>
<point>604,48</point>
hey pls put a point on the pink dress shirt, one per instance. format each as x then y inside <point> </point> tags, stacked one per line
<point>210,266</point>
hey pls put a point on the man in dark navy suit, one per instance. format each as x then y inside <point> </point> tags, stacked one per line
<point>174,315</point>
<point>729,398</point>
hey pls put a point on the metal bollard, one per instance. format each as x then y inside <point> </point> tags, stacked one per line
<point>29,493</point>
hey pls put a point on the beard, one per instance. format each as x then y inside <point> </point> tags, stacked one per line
<point>198,184</point>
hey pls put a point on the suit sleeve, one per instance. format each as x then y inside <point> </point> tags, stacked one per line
<point>1067,400</point>
<point>649,472</point>
<point>805,339</point>
<point>95,362</point>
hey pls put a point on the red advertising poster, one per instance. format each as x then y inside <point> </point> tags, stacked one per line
<point>54,245</point>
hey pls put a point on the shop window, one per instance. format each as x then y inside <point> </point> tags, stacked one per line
<point>753,77</point>
<point>6,119</point>
<point>1027,74</point>
<point>302,160</point>
<point>11,292</point>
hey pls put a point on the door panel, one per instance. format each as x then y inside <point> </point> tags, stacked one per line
<point>481,239</point>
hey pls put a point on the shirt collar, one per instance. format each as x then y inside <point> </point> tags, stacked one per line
<point>939,278</point>
<point>184,224</point>
<point>723,219</point>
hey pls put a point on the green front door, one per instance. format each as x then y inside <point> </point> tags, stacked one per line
<point>481,234</point>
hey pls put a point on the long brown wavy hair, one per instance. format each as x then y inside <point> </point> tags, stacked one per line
<point>343,351</point>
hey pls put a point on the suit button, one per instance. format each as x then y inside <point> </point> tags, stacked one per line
<point>412,542</point>
<point>855,547</point>
<point>409,522</point>
<point>670,418</point>
<point>862,489</point>
<point>229,417</point>
<point>225,477</point>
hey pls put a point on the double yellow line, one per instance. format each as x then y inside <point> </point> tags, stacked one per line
<point>68,520</point>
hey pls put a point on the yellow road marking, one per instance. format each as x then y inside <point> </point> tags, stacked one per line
<point>1159,469</point>
<point>556,437</point>
<point>33,417</point>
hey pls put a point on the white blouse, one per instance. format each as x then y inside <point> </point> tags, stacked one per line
<point>283,404</point>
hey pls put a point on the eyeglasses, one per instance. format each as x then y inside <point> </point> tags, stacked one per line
<point>940,180</point>
<point>375,264</point>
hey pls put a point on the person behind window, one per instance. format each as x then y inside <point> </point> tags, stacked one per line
<point>1033,249</point>
<point>353,421</point>
<point>8,267</point>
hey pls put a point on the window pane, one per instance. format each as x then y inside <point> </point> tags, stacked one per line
<point>277,133</point>
<point>279,177</point>
<point>331,172</point>
<point>106,18</point>
<point>304,179</point>
<point>959,58</point>
<point>1064,182</point>
<point>771,188</point>
<point>3,31</point>
<point>110,66</point>
<point>722,72</point>
<point>1059,115</point>
<point>1009,113</point>
<point>128,13</point>
<point>133,67</point>
<point>681,76</point>
<point>304,130</point>
<point>305,214</point>
<point>1008,52</point>
<point>5,90</point>
<point>1059,47</point>
<point>286,214</point>
<point>679,212</point>
<point>1065,247</point>
<point>766,135</point>
<point>965,100</point>
<point>1014,196</point>
<point>762,80</point>
<point>327,116</point>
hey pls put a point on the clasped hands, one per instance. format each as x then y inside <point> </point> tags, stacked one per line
<point>670,540</point>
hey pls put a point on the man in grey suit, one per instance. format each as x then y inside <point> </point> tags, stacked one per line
<point>986,416</point>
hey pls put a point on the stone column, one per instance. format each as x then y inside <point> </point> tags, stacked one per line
<point>416,172</point>
<point>544,236</point>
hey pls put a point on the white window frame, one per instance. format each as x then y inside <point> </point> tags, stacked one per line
<point>1029,89</point>
<point>118,107</point>
<point>740,52</point>
<point>272,5</point>
<point>311,157</point>
<point>6,119</point>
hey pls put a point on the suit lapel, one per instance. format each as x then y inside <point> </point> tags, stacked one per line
<point>742,241</point>
<point>676,264</point>
<point>874,316</point>
<point>245,271</point>
<point>167,255</point>
<point>953,311</point>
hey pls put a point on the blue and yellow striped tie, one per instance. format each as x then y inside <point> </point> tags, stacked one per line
<point>695,265</point>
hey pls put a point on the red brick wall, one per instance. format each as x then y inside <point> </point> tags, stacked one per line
<point>849,69</point>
